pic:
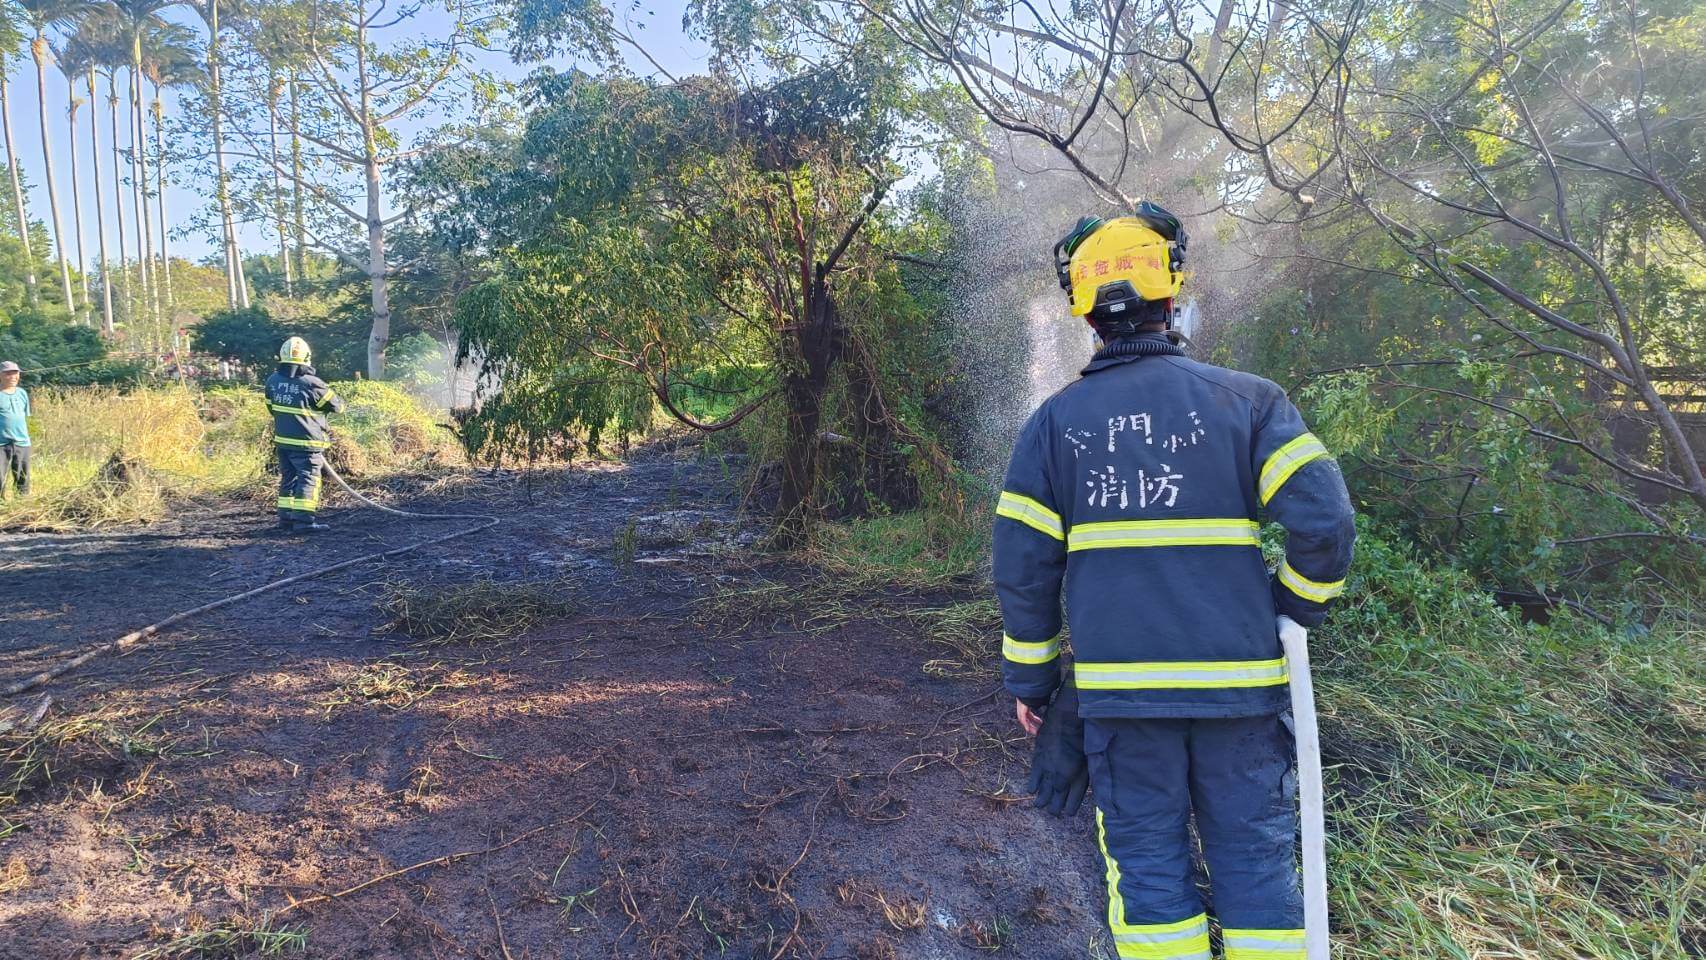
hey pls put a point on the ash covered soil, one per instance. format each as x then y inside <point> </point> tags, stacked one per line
<point>682,766</point>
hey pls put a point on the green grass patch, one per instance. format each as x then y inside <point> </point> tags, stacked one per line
<point>914,549</point>
<point>1507,789</point>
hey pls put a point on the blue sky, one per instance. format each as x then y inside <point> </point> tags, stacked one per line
<point>660,29</point>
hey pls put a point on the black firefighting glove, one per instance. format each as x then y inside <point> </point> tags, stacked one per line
<point>1059,772</point>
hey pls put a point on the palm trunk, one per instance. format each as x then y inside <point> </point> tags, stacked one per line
<point>77,196</point>
<point>278,188</point>
<point>118,201</point>
<point>300,228</point>
<point>18,191</point>
<point>144,217</point>
<point>38,50</point>
<point>236,287</point>
<point>136,208</point>
<point>100,214</point>
<point>160,197</point>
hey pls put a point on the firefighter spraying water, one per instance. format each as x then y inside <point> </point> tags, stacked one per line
<point>1136,490</point>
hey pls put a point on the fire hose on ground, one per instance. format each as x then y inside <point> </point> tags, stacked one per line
<point>135,637</point>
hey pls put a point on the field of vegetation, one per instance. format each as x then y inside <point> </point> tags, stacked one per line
<point>111,455</point>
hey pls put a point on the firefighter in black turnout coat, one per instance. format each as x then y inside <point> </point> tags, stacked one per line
<point>299,402</point>
<point>1133,495</point>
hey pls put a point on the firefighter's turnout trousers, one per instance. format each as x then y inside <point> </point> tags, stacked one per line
<point>298,484</point>
<point>1147,777</point>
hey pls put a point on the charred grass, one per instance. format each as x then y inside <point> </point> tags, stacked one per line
<point>473,611</point>
<point>95,745</point>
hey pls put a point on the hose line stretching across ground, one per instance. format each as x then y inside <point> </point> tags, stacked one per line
<point>137,636</point>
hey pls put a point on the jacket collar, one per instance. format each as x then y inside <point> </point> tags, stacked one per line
<point>1127,349</point>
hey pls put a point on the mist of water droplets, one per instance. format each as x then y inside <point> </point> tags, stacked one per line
<point>1020,341</point>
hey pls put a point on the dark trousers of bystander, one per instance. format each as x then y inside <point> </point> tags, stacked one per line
<point>14,469</point>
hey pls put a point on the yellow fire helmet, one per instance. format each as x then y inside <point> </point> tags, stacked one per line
<point>1106,266</point>
<point>295,350</point>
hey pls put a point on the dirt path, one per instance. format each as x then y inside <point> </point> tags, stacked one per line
<point>654,776</point>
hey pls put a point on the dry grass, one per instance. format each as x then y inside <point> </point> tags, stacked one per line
<point>15,875</point>
<point>900,912</point>
<point>104,457</point>
<point>394,686</point>
<point>474,611</point>
<point>970,634</point>
<point>817,605</point>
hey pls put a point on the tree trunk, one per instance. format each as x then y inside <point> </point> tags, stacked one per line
<point>236,288</point>
<point>380,335</point>
<point>100,214</point>
<point>38,50</point>
<point>884,473</point>
<point>118,200</point>
<point>278,188</point>
<point>137,207</point>
<point>817,344</point>
<point>160,200</point>
<point>18,191</point>
<point>77,195</point>
<point>300,222</point>
<point>144,216</point>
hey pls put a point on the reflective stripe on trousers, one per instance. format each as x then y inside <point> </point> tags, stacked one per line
<point>1150,779</point>
<point>298,483</point>
<point>1263,944</point>
<point>1185,939</point>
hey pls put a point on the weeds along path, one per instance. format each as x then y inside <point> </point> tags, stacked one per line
<point>616,731</point>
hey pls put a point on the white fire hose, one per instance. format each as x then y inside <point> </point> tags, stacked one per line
<point>1295,640</point>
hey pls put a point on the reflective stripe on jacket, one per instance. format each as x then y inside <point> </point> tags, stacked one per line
<point>299,402</point>
<point>1134,494</point>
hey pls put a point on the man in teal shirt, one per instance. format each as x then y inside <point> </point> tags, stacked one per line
<point>14,430</point>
